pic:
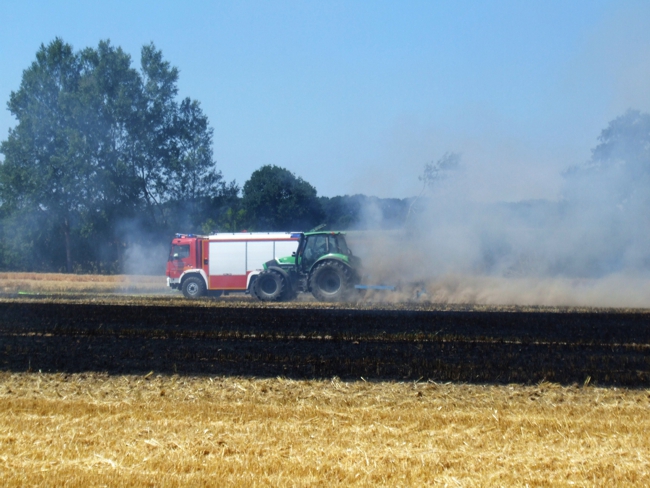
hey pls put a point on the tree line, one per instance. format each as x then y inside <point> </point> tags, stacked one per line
<point>105,155</point>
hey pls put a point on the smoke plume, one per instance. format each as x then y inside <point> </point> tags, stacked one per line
<point>587,248</point>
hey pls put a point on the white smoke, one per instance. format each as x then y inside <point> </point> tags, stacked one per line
<point>142,259</point>
<point>587,248</point>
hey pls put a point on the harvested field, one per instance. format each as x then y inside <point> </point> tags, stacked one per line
<point>153,430</point>
<point>105,388</point>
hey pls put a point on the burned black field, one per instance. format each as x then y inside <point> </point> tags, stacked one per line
<point>302,340</point>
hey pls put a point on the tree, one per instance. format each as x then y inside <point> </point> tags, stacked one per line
<point>46,169</point>
<point>619,168</point>
<point>433,173</point>
<point>99,143</point>
<point>275,199</point>
<point>625,141</point>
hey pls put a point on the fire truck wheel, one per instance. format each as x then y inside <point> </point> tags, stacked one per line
<point>193,287</point>
<point>269,286</point>
<point>330,282</point>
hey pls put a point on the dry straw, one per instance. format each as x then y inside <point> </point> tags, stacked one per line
<point>152,430</point>
<point>80,283</point>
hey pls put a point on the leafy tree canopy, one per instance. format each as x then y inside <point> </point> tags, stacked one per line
<point>98,141</point>
<point>274,199</point>
<point>618,172</point>
<point>626,141</point>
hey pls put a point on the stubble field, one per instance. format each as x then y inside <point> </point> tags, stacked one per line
<point>98,388</point>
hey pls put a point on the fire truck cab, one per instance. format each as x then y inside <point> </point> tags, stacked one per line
<point>224,262</point>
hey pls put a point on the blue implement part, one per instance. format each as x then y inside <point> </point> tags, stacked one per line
<point>375,287</point>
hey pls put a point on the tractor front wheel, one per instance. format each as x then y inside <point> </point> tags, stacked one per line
<point>330,282</point>
<point>269,286</point>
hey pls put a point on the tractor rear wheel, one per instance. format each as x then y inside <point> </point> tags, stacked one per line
<point>269,286</point>
<point>330,282</point>
<point>289,294</point>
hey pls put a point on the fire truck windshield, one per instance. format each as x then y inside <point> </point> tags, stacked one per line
<point>179,252</point>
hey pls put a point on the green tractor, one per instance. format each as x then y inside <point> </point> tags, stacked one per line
<point>322,265</point>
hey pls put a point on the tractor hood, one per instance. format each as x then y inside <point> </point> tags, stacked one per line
<point>286,260</point>
<point>281,262</point>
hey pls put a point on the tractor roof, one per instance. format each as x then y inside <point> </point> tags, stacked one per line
<point>324,233</point>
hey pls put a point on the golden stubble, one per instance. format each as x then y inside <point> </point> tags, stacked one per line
<point>153,430</point>
<point>80,283</point>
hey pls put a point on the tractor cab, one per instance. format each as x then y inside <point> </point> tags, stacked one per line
<point>314,246</point>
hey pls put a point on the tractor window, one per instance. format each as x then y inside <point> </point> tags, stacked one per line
<point>337,245</point>
<point>315,247</point>
<point>179,252</point>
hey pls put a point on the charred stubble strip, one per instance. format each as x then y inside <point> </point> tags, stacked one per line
<point>610,348</point>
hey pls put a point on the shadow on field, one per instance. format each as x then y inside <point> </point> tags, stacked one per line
<point>501,347</point>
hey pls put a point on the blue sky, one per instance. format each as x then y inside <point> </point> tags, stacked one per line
<point>356,96</point>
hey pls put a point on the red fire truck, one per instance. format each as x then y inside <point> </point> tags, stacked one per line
<point>200,265</point>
